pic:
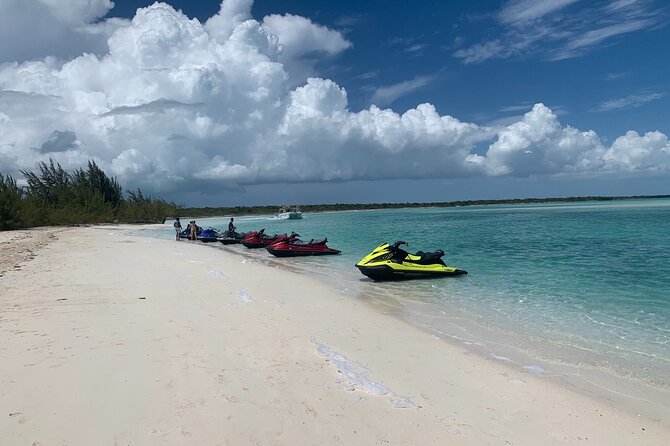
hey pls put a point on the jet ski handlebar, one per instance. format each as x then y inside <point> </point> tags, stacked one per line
<point>397,244</point>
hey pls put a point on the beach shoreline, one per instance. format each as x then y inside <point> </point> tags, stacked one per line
<point>137,340</point>
<point>584,371</point>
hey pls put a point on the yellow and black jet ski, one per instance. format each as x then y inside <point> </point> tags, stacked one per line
<point>389,262</point>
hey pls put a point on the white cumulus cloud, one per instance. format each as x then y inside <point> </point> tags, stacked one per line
<point>33,29</point>
<point>303,42</point>
<point>633,153</point>
<point>78,11</point>
<point>231,14</point>
<point>176,104</point>
<point>539,144</point>
<point>300,35</point>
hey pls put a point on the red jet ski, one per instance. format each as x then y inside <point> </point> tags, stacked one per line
<point>259,239</point>
<point>296,247</point>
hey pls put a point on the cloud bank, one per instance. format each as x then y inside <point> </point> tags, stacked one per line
<point>171,103</point>
<point>35,29</point>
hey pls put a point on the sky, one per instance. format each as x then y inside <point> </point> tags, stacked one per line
<point>246,102</point>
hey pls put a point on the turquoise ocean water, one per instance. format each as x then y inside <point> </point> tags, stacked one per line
<point>551,288</point>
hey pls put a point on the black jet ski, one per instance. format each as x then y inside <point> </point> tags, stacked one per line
<point>390,262</point>
<point>232,237</point>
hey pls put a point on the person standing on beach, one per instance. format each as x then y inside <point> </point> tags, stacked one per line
<point>194,230</point>
<point>177,228</point>
<point>188,230</point>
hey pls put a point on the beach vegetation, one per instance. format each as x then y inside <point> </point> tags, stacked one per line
<point>54,196</point>
<point>11,197</point>
<point>138,208</point>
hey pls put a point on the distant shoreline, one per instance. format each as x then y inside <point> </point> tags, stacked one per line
<point>199,212</point>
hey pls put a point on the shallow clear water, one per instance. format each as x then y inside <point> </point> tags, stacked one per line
<point>574,283</point>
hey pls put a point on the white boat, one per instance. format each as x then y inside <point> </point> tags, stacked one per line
<point>289,213</point>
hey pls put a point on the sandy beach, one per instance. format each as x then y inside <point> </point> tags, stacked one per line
<point>116,340</point>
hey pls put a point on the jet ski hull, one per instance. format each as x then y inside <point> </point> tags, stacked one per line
<point>232,237</point>
<point>230,241</point>
<point>208,239</point>
<point>292,252</point>
<point>254,244</point>
<point>294,247</point>
<point>387,272</point>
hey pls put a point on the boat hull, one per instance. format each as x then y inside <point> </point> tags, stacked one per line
<point>289,216</point>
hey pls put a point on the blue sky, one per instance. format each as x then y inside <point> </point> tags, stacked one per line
<point>532,98</point>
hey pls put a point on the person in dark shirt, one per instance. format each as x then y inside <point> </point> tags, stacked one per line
<point>177,228</point>
<point>231,225</point>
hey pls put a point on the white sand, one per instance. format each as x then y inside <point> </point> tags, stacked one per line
<point>112,340</point>
<point>19,246</point>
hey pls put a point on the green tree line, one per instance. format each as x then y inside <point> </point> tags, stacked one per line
<point>272,209</point>
<point>54,196</point>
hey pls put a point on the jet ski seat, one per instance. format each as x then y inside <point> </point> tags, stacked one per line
<point>429,258</point>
